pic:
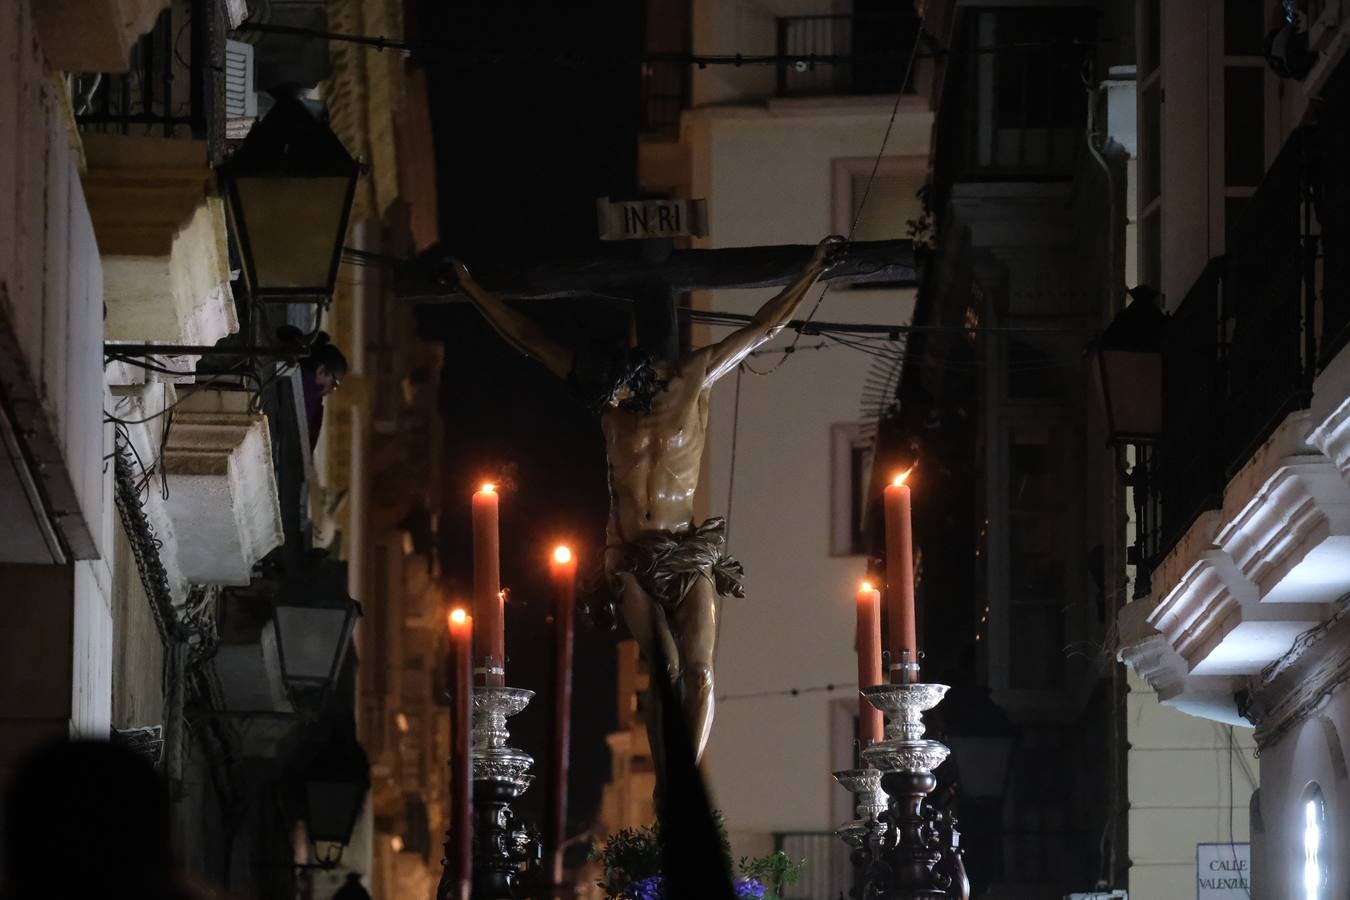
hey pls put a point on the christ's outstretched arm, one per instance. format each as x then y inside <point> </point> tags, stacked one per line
<point>516,328</point>
<point>729,352</point>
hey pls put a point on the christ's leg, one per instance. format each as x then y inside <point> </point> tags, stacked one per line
<point>647,622</point>
<point>696,634</point>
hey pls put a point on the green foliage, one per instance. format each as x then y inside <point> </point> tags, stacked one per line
<point>629,855</point>
<point>775,871</point>
<point>632,854</point>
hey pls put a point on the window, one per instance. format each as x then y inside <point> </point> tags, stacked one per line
<point>1150,144</point>
<point>1042,536</point>
<point>1314,826</point>
<point>1244,80</point>
<point>850,476</point>
<point>892,202</point>
<point>1024,106</point>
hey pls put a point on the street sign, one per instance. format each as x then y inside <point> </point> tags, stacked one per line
<point>626,220</point>
<point>1223,871</point>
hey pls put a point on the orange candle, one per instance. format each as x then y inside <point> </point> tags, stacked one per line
<point>563,572</point>
<point>489,637</point>
<point>459,836</point>
<point>903,644</point>
<point>869,662</point>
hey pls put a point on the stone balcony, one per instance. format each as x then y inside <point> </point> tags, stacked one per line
<point>93,35</point>
<point>1245,581</point>
<point>213,499</point>
<point>162,235</point>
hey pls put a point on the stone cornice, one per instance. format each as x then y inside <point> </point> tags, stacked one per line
<point>1332,437</point>
<point>1301,504</point>
<point>1156,662</point>
<point>1203,607</point>
<point>1178,562</point>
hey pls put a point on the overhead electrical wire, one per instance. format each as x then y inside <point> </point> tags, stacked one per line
<point>882,330</point>
<point>788,692</point>
<point>867,190</point>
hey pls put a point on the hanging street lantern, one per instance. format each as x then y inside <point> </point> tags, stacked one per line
<point>335,788</point>
<point>313,621</point>
<point>289,191</point>
<point>1128,359</point>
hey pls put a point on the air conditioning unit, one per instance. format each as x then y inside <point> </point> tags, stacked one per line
<point>241,97</point>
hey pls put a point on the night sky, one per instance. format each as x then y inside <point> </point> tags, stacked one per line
<point>523,150</point>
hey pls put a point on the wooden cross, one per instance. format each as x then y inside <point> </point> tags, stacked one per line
<point>622,271</point>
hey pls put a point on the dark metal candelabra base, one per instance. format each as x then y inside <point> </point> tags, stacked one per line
<point>918,855</point>
<point>500,847</point>
<point>910,850</point>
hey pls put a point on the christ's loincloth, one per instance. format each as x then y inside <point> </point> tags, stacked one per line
<point>667,564</point>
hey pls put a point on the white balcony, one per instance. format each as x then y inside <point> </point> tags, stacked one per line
<point>1245,581</point>
<point>162,235</point>
<point>221,513</point>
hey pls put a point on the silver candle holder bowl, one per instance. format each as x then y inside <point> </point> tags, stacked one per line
<point>493,759</point>
<point>905,748</point>
<point>501,773</point>
<point>869,803</point>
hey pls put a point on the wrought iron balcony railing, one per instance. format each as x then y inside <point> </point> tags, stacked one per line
<point>878,44</point>
<point>1243,348</point>
<point>1013,106</point>
<point>175,86</point>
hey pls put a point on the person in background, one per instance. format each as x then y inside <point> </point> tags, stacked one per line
<point>320,374</point>
<point>89,819</point>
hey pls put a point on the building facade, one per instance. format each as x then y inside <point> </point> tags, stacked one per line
<point>172,516</point>
<point>1240,229</point>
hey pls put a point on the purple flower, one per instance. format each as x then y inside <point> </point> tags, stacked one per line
<point>749,889</point>
<point>649,888</point>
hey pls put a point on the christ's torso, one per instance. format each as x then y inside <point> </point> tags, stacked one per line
<point>654,457</point>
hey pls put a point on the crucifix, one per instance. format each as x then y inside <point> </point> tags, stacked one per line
<point>666,571</point>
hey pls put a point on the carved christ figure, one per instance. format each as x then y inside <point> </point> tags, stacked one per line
<point>666,571</point>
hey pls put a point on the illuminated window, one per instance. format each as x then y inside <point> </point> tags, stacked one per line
<point>1314,820</point>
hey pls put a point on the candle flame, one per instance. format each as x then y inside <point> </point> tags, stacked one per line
<point>488,488</point>
<point>866,586</point>
<point>900,479</point>
<point>458,616</point>
<point>562,554</point>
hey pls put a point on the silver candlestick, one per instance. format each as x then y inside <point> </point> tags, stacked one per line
<point>905,748</point>
<point>869,804</point>
<point>918,855</point>
<point>500,775</point>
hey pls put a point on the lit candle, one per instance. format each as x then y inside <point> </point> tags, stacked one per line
<point>869,662</point>
<point>459,836</point>
<point>563,571</point>
<point>904,644</point>
<point>489,638</point>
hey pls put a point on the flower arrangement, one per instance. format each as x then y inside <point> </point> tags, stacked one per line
<point>632,867</point>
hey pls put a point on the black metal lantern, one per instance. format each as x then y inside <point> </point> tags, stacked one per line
<point>335,786</point>
<point>982,740</point>
<point>1129,369</point>
<point>313,621</point>
<point>984,762</point>
<point>290,189</point>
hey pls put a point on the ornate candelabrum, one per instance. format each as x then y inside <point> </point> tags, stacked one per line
<point>916,855</point>
<point>869,802</point>
<point>500,775</point>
